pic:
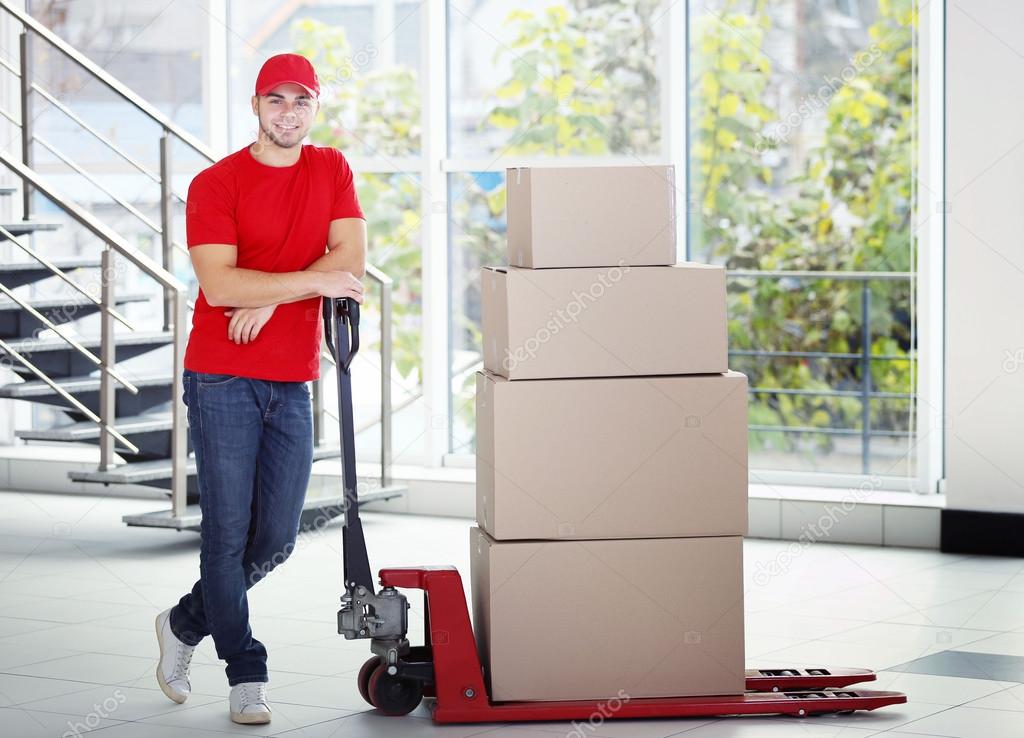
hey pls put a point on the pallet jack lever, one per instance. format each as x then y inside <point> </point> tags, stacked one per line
<point>364,613</point>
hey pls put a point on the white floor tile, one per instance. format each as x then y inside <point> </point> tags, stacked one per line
<point>969,722</point>
<point>16,689</point>
<point>928,638</point>
<point>99,668</point>
<point>1011,698</point>
<point>940,690</point>
<point>1011,644</point>
<point>33,724</point>
<point>215,716</point>
<point>81,608</point>
<point>772,727</point>
<point>121,703</point>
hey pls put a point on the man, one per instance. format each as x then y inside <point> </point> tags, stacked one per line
<point>271,229</point>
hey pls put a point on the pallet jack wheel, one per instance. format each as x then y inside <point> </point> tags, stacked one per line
<point>393,695</point>
<point>363,680</point>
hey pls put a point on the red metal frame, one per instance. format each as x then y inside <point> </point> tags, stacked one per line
<point>783,680</point>
<point>462,696</point>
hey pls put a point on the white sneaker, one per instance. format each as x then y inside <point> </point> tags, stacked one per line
<point>249,704</point>
<point>175,657</point>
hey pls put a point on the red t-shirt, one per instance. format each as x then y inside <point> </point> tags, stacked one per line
<point>278,217</point>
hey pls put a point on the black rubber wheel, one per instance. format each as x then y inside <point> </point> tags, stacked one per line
<point>392,695</point>
<point>363,680</point>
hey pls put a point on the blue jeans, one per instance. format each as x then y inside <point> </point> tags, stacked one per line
<point>253,442</point>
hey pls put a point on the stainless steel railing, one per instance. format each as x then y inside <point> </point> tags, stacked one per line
<point>175,302</point>
<point>170,284</point>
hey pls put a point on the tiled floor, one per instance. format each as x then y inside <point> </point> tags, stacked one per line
<point>78,593</point>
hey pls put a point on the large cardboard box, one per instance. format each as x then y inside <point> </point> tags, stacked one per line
<point>564,620</point>
<point>591,216</point>
<point>631,457</point>
<point>604,322</point>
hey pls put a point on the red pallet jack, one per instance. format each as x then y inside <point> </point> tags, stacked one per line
<point>447,667</point>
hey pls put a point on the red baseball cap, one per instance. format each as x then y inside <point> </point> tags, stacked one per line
<point>284,68</point>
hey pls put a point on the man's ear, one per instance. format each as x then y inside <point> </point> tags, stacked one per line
<point>255,105</point>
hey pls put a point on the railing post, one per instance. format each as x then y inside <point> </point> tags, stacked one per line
<point>107,358</point>
<point>385,384</point>
<point>179,428</point>
<point>865,376</point>
<point>166,222</point>
<point>25,84</point>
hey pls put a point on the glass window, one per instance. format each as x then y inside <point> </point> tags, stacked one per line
<point>571,79</point>
<point>557,79</point>
<point>802,130</point>
<point>367,59</point>
<point>366,56</point>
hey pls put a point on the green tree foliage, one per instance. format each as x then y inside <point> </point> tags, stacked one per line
<point>375,113</point>
<point>850,209</point>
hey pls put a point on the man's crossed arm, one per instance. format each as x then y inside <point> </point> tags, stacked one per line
<point>252,295</point>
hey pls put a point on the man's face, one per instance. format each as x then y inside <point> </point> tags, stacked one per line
<point>285,113</point>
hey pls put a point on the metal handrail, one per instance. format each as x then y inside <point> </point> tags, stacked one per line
<point>78,169</point>
<point>865,357</point>
<point>319,411</point>
<point>27,307</point>
<point>175,293</point>
<point>93,224</point>
<point>59,273</point>
<point>75,402</point>
<point>106,78</point>
<point>142,168</point>
<point>172,286</point>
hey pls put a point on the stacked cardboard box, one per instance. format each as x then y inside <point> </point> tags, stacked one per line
<point>611,451</point>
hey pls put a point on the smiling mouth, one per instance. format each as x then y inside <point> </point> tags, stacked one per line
<point>286,129</point>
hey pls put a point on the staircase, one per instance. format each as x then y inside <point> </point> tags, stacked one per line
<point>134,415</point>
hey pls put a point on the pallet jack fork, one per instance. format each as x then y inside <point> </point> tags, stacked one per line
<point>447,666</point>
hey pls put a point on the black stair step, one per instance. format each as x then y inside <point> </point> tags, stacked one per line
<point>88,430</point>
<point>151,432</point>
<point>153,391</point>
<point>16,322</point>
<point>22,227</point>
<point>158,473</point>
<point>22,273</point>
<point>57,358</point>
<point>5,191</point>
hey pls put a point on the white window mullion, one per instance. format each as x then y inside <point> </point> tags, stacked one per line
<point>929,219</point>
<point>434,205</point>
<point>215,76</point>
<point>674,125</point>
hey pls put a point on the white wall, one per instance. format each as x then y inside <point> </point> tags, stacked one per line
<point>985,256</point>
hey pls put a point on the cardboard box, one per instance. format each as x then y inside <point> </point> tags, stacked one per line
<point>566,620</point>
<point>598,322</point>
<point>632,457</point>
<point>591,216</point>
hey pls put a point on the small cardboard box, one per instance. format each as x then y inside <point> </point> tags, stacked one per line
<point>594,620</point>
<point>597,322</point>
<point>591,216</point>
<point>630,457</point>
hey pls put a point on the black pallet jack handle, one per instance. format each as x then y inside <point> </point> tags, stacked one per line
<point>341,331</point>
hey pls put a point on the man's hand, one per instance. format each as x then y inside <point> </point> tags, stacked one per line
<point>341,284</point>
<point>246,323</point>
